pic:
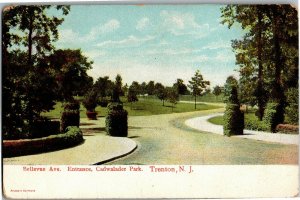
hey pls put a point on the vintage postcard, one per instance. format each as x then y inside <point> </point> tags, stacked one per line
<point>150,101</point>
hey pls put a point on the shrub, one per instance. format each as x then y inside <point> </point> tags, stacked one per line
<point>233,120</point>
<point>70,116</point>
<point>292,112</point>
<point>287,128</point>
<point>116,120</point>
<point>252,123</point>
<point>274,115</point>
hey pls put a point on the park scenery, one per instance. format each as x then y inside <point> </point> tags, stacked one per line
<point>150,84</point>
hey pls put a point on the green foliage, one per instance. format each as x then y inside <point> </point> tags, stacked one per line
<point>104,87</point>
<point>116,120</point>
<point>233,120</point>
<point>292,110</point>
<point>197,85</point>
<point>132,94</point>
<point>231,91</point>
<point>180,87</point>
<point>160,92</point>
<point>70,116</point>
<point>273,115</point>
<point>71,73</point>
<point>217,90</point>
<point>172,96</point>
<point>117,90</point>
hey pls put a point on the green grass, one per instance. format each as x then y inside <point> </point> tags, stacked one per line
<point>205,98</point>
<point>145,106</point>
<point>218,120</point>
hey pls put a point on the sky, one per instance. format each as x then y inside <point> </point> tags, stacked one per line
<point>152,42</point>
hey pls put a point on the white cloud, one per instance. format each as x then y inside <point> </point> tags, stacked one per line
<point>170,51</point>
<point>127,42</point>
<point>199,59</point>
<point>108,27</point>
<point>92,54</point>
<point>69,36</point>
<point>142,24</point>
<point>224,56</point>
<point>183,24</point>
<point>218,45</point>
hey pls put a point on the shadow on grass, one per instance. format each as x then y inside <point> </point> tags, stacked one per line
<point>134,137</point>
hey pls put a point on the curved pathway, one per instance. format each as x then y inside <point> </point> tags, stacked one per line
<point>165,139</point>
<point>201,123</point>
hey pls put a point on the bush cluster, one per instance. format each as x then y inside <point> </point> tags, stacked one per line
<point>252,123</point>
<point>233,120</point>
<point>273,115</point>
<point>116,120</point>
<point>292,111</point>
<point>70,116</point>
<point>72,137</point>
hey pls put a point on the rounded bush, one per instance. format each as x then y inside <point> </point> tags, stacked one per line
<point>116,120</point>
<point>233,120</point>
<point>274,115</point>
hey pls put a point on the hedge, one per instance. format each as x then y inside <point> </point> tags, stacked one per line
<point>273,116</point>
<point>287,128</point>
<point>233,120</point>
<point>116,120</point>
<point>72,137</point>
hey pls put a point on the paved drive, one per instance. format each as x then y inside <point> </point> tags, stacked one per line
<point>201,123</point>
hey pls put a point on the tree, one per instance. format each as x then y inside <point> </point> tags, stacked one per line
<point>217,90</point>
<point>180,86</point>
<point>150,88</point>
<point>71,73</point>
<point>172,96</point>
<point>160,92</point>
<point>197,85</point>
<point>27,29</point>
<point>117,89</point>
<point>268,48</point>
<point>132,94</point>
<point>104,87</point>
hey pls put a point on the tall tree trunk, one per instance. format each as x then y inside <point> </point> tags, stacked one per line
<point>30,28</point>
<point>195,102</point>
<point>277,92</point>
<point>260,99</point>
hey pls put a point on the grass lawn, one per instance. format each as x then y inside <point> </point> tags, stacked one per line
<point>145,106</point>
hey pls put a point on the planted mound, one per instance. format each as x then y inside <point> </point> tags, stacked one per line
<point>116,120</point>
<point>72,137</point>
<point>70,115</point>
<point>233,120</point>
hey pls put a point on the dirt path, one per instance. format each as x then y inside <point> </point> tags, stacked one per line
<point>201,123</point>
